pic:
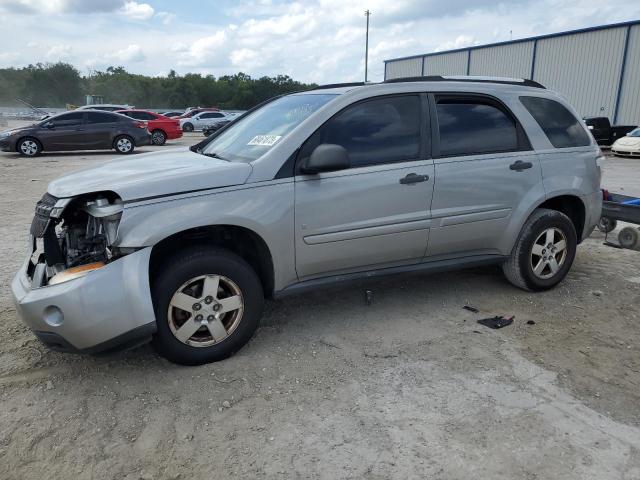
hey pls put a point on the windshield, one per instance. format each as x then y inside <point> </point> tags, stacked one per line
<point>634,133</point>
<point>255,134</point>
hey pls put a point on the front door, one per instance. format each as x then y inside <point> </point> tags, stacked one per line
<point>486,172</point>
<point>376,213</point>
<point>64,132</point>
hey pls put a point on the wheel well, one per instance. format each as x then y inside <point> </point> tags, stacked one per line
<point>242,241</point>
<point>159,130</point>
<point>30,138</point>
<point>572,207</point>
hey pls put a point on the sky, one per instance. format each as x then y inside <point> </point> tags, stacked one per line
<point>318,41</point>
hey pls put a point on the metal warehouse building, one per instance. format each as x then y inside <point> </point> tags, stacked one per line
<point>597,69</point>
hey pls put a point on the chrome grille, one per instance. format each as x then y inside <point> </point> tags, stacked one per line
<point>41,218</point>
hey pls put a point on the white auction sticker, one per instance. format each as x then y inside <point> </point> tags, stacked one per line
<point>264,140</point>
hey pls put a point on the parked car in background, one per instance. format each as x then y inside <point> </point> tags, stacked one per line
<point>306,190</point>
<point>171,114</point>
<point>194,111</point>
<point>604,132</point>
<point>629,145</point>
<point>162,128</point>
<point>77,130</point>
<point>209,129</point>
<point>201,120</point>
<point>106,107</point>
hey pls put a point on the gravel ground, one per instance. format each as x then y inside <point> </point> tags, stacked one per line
<point>408,387</point>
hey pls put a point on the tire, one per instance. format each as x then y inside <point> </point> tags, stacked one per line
<point>185,273</point>
<point>158,137</point>
<point>187,127</point>
<point>607,225</point>
<point>124,144</point>
<point>29,147</point>
<point>629,238</point>
<point>533,266</point>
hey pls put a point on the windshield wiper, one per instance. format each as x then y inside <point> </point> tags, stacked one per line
<point>215,155</point>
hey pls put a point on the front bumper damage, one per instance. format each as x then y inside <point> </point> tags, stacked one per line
<point>102,309</point>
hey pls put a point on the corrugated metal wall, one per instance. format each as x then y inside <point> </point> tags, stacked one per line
<point>503,61</point>
<point>446,64</point>
<point>411,67</point>
<point>629,108</point>
<point>584,67</point>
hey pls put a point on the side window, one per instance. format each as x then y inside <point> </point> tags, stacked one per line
<point>217,115</point>
<point>383,130</point>
<point>98,117</point>
<point>209,115</point>
<point>561,127</point>
<point>469,127</point>
<point>68,120</point>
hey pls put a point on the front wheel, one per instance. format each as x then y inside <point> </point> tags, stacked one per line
<point>187,127</point>
<point>29,147</point>
<point>208,303</point>
<point>544,251</point>
<point>123,144</point>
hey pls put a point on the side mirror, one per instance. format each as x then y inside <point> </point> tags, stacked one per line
<point>326,158</point>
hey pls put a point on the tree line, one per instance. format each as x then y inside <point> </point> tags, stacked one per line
<point>60,84</point>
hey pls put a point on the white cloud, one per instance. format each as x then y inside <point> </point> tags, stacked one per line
<point>137,11</point>
<point>460,41</point>
<point>132,53</point>
<point>166,18</point>
<point>59,53</point>
<point>206,51</point>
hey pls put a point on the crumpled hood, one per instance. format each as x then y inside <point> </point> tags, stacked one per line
<point>151,174</point>
<point>628,141</point>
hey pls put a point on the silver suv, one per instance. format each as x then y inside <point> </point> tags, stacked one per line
<point>307,189</point>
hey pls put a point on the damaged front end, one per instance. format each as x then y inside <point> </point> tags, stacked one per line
<point>73,236</point>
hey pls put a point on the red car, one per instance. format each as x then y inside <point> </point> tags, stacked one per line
<point>198,110</point>
<point>162,128</point>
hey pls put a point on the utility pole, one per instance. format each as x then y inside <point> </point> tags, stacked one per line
<point>366,48</point>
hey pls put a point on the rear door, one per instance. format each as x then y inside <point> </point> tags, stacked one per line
<point>65,132</point>
<point>376,213</point>
<point>100,129</point>
<point>485,170</point>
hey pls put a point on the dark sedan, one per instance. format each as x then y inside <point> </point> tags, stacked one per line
<point>79,130</point>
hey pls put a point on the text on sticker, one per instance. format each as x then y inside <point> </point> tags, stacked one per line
<point>264,140</point>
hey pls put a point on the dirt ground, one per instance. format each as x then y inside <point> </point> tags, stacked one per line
<point>408,387</point>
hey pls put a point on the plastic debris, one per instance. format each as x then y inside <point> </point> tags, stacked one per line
<point>496,322</point>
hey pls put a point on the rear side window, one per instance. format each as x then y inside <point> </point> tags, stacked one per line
<point>98,117</point>
<point>383,130</point>
<point>469,127</point>
<point>561,127</point>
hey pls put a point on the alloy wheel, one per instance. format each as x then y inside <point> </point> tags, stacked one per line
<point>548,253</point>
<point>158,138</point>
<point>205,310</point>
<point>29,148</point>
<point>124,145</point>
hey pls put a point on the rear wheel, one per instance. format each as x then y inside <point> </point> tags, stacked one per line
<point>544,251</point>
<point>208,304</point>
<point>123,144</point>
<point>606,225</point>
<point>187,127</point>
<point>29,147</point>
<point>629,237</point>
<point>158,137</point>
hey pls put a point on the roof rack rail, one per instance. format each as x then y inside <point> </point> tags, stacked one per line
<point>338,85</point>
<point>438,78</point>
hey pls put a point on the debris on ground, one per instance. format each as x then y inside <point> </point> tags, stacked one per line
<point>496,322</point>
<point>531,322</point>
<point>471,308</point>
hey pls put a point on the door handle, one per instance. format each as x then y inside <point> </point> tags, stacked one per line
<point>520,165</point>
<point>413,178</point>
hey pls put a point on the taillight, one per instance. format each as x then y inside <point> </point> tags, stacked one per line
<point>141,124</point>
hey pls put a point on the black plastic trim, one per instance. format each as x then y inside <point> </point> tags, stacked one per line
<point>426,267</point>
<point>437,78</point>
<point>128,340</point>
